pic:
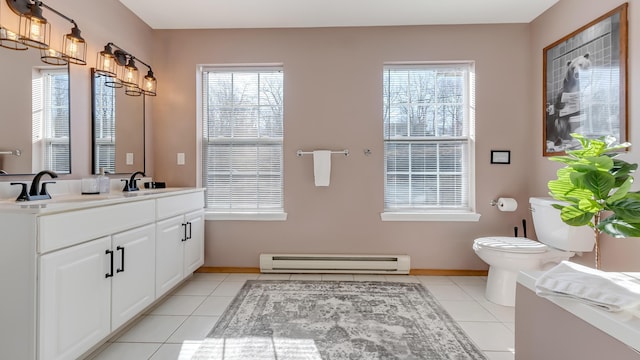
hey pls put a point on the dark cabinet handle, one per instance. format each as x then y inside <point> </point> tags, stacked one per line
<point>121,258</point>
<point>184,227</point>
<point>189,223</point>
<point>110,253</point>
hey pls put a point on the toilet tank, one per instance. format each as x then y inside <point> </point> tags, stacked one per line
<point>552,231</point>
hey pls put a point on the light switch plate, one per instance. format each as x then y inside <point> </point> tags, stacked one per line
<point>180,158</point>
<point>129,158</point>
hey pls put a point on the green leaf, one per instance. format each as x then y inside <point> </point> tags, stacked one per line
<point>621,192</point>
<point>627,208</point>
<point>619,228</point>
<point>575,217</point>
<point>597,182</point>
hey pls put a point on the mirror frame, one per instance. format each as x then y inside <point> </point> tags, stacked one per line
<point>94,163</point>
<point>69,156</point>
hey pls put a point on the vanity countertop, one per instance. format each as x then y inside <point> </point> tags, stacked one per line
<point>69,202</point>
<point>623,326</point>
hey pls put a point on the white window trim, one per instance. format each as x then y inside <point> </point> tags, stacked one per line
<point>430,216</point>
<point>212,214</point>
<point>440,214</point>
<point>245,216</point>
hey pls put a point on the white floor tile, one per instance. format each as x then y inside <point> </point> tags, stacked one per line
<point>213,306</point>
<point>467,311</point>
<point>178,305</point>
<point>369,277</point>
<point>504,314</point>
<point>402,278</point>
<point>337,277</point>
<point>448,292</point>
<point>469,280</point>
<point>228,288</point>
<point>510,325</point>
<point>502,355</point>
<point>195,328</point>
<point>183,351</point>
<point>241,277</point>
<point>152,328</point>
<point>274,276</point>
<point>440,280</point>
<point>476,291</point>
<point>209,276</point>
<point>306,277</point>
<point>202,287</point>
<point>489,336</point>
<point>127,351</point>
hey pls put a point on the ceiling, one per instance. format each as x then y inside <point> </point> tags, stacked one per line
<point>228,14</point>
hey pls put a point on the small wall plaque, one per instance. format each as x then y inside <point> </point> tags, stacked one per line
<point>500,156</point>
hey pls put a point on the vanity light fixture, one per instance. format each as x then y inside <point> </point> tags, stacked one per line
<point>121,69</point>
<point>9,39</point>
<point>35,31</point>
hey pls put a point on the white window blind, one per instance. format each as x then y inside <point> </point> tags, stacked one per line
<point>428,125</point>
<point>242,139</point>
<point>104,126</point>
<point>50,118</point>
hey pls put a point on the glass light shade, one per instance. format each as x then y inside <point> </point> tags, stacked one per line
<point>35,31</point>
<point>11,40</point>
<point>74,47</point>
<point>114,81</point>
<point>130,74</point>
<point>52,57</point>
<point>149,84</point>
<point>132,91</point>
<point>106,64</point>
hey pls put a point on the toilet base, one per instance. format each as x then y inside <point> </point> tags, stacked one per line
<point>501,286</point>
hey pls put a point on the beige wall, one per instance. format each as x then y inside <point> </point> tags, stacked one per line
<point>333,100</point>
<point>100,22</point>
<point>562,19</point>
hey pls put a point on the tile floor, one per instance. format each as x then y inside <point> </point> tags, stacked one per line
<point>173,329</point>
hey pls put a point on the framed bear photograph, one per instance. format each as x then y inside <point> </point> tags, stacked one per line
<point>584,87</point>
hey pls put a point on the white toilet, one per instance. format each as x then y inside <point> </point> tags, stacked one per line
<point>507,256</point>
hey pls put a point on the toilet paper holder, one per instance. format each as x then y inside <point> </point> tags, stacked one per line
<point>504,204</point>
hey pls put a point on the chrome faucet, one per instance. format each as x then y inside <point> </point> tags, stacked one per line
<point>34,193</point>
<point>131,184</point>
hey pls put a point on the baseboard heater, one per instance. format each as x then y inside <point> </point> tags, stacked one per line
<point>338,263</point>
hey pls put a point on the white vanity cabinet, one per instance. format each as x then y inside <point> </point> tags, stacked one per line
<point>180,240</point>
<point>72,274</point>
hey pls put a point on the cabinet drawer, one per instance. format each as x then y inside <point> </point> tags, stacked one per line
<point>179,204</point>
<point>65,229</point>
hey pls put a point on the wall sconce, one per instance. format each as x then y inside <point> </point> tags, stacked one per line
<point>9,39</point>
<point>35,31</point>
<point>120,67</point>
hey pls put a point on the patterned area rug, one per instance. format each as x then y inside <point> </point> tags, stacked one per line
<point>335,320</point>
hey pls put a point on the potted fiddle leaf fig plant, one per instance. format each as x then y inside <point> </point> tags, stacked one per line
<point>596,187</point>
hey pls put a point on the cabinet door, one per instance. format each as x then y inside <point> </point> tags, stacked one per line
<point>133,285</point>
<point>74,299</point>
<point>194,246</point>
<point>169,253</point>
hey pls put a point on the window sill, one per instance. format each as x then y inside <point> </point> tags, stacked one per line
<point>244,216</point>
<point>444,216</point>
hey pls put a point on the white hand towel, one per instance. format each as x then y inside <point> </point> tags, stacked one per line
<point>322,167</point>
<point>609,291</point>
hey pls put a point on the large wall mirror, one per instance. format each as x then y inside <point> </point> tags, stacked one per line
<point>118,128</point>
<point>34,115</point>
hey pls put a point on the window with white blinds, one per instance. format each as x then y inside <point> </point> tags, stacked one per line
<point>242,112</point>
<point>428,137</point>
<point>104,126</point>
<point>50,120</point>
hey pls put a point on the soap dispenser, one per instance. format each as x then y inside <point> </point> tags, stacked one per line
<point>104,182</point>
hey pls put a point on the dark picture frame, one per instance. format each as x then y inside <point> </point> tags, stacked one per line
<point>585,84</point>
<point>500,156</point>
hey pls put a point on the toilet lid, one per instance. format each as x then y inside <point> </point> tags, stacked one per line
<point>512,244</point>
